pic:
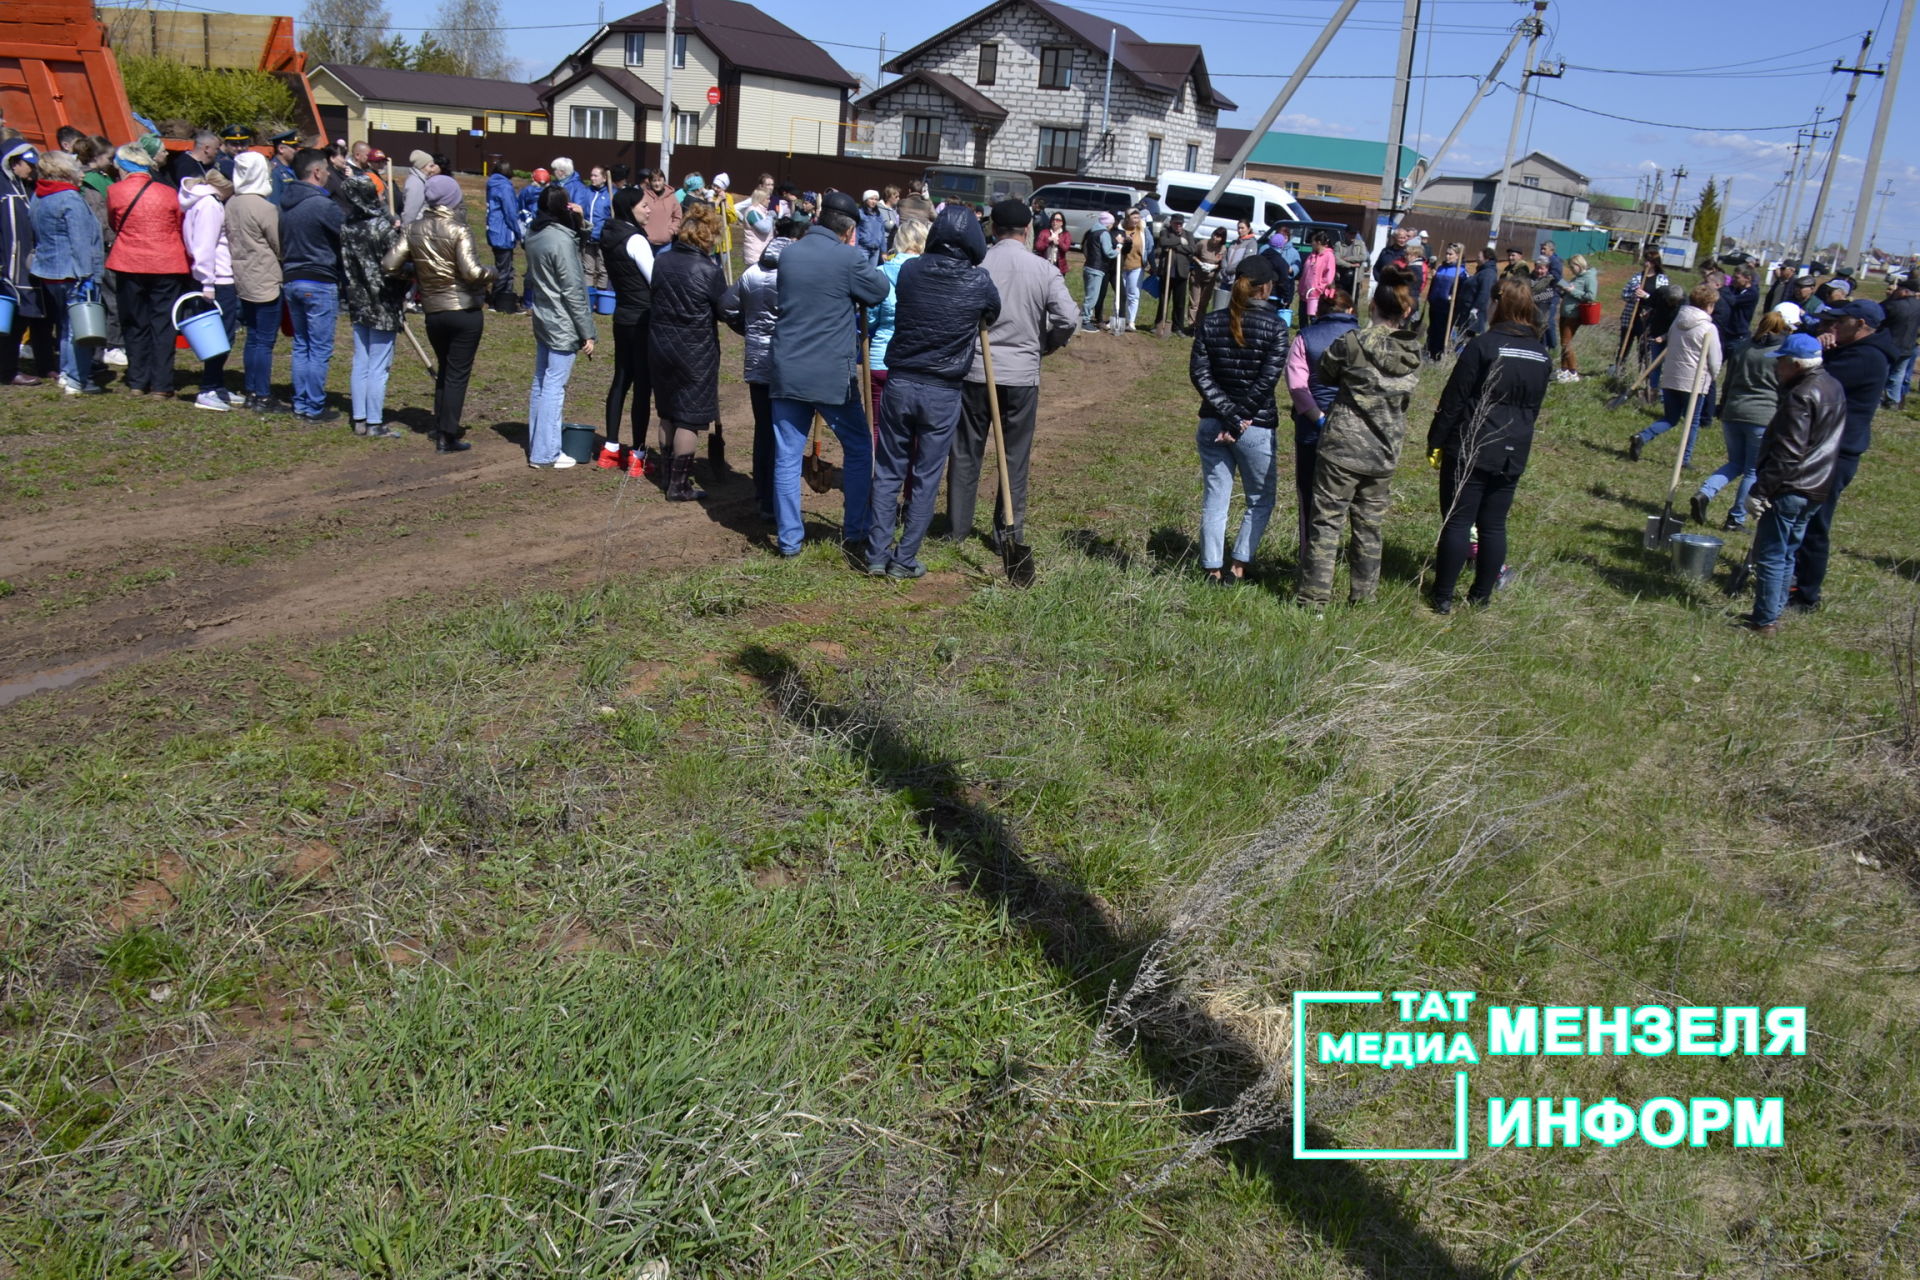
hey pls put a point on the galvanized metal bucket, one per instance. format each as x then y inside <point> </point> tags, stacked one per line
<point>1695,555</point>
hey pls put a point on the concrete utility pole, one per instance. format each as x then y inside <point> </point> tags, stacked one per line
<point>1272,113</point>
<point>1485,87</point>
<point>666,102</point>
<point>1534,29</point>
<point>1106,99</point>
<point>1673,201</point>
<point>1884,194</point>
<point>1889,86</point>
<point>1813,137</point>
<point>1389,212</point>
<point>1839,138</point>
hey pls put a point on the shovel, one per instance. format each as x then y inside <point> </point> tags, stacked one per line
<point>815,470</point>
<point>1015,557</point>
<point>1662,527</point>
<point>717,447</point>
<point>1737,580</point>
<point>1633,386</point>
<point>417,348</point>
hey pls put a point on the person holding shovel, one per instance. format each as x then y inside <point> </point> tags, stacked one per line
<point>1443,301</point>
<point>944,296</point>
<point>1796,474</point>
<point>1236,363</point>
<point>1036,318</point>
<point>1693,361</point>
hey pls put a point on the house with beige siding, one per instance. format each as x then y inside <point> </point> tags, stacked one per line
<point>353,100</point>
<point>1022,85</point>
<point>777,90</point>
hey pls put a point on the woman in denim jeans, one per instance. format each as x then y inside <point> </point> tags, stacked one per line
<point>1752,393</point>
<point>67,253</point>
<point>1238,356</point>
<point>562,322</point>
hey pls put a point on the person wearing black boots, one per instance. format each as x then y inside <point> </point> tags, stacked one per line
<point>628,259</point>
<point>683,343</point>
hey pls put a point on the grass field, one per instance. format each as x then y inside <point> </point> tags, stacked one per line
<point>762,920</point>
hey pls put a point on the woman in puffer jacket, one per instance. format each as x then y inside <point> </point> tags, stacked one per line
<point>683,345</point>
<point>627,259</point>
<point>751,308</point>
<point>375,302</point>
<point>1693,357</point>
<point>1238,356</point>
<point>453,293</point>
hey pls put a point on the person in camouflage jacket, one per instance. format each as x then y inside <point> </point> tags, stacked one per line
<point>1376,370</point>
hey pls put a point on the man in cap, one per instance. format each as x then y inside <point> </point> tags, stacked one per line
<point>285,147</point>
<point>1859,356</point>
<point>823,282</point>
<point>871,237</point>
<point>17,176</point>
<point>1037,317</point>
<point>1796,471</point>
<point>943,298</point>
<point>1176,248</point>
<point>233,140</point>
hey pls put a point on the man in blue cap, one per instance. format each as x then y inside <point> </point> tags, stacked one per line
<point>1796,473</point>
<point>1859,356</point>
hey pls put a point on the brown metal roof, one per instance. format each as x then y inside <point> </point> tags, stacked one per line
<point>745,37</point>
<point>971,100</point>
<point>429,88</point>
<point>625,81</point>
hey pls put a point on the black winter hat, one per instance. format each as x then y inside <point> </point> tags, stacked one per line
<point>1012,214</point>
<point>840,202</point>
<point>1255,270</point>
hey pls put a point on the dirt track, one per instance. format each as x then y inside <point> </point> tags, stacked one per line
<point>315,549</point>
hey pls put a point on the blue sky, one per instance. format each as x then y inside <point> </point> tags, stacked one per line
<point>1725,72</point>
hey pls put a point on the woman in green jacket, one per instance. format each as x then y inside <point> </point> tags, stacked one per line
<point>1751,393</point>
<point>1581,286</point>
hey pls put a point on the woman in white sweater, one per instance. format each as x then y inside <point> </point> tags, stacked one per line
<point>1693,358</point>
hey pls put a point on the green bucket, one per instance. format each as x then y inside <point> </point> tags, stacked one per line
<point>579,441</point>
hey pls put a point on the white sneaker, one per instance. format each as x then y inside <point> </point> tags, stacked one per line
<point>115,356</point>
<point>211,400</point>
<point>560,463</point>
<point>233,401</point>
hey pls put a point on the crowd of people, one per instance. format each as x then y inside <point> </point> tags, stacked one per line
<point>902,326</point>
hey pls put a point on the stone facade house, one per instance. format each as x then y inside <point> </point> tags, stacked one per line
<point>777,90</point>
<point>1539,189</point>
<point>1021,85</point>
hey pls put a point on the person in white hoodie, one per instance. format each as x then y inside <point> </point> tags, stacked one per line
<point>253,241</point>
<point>1693,355</point>
<point>203,225</point>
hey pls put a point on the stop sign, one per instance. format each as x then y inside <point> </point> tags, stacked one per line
<point>713,96</point>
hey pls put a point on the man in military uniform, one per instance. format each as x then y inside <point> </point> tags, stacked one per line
<point>233,140</point>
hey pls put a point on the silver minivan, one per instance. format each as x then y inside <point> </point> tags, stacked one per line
<point>1084,202</point>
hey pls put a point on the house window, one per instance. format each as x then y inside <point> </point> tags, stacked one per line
<point>1292,185</point>
<point>1056,67</point>
<point>590,122</point>
<point>421,124</point>
<point>1532,182</point>
<point>920,137</point>
<point>686,129</point>
<point>636,48</point>
<point>1059,148</point>
<point>1324,191</point>
<point>1153,157</point>
<point>1193,157</point>
<point>679,52</point>
<point>989,62</point>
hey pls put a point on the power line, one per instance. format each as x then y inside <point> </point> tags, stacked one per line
<point>1667,124</point>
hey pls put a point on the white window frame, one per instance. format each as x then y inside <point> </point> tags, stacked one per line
<point>598,122</point>
<point>686,128</point>
<point>679,50</point>
<point>423,124</point>
<point>634,38</point>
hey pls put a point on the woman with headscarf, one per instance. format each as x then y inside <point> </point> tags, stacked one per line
<point>375,301</point>
<point>67,253</point>
<point>203,225</point>
<point>253,241</point>
<point>562,323</point>
<point>629,264</point>
<point>150,258</point>
<point>453,294</point>
<point>683,343</point>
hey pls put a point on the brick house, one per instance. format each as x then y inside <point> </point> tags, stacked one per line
<point>1314,167</point>
<point>1020,85</point>
<point>778,90</point>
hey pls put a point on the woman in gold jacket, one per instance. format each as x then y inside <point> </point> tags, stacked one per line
<point>453,286</point>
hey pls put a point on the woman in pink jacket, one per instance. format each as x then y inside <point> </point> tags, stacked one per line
<point>1316,274</point>
<point>203,225</point>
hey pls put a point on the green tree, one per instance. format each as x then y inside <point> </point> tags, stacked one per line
<point>1706,221</point>
<point>431,55</point>
<point>393,52</point>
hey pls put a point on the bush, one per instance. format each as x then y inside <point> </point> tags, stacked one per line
<point>163,90</point>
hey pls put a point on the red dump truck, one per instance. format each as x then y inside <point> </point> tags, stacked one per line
<point>57,63</point>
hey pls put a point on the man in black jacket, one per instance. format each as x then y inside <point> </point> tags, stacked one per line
<point>944,296</point>
<point>1903,330</point>
<point>1858,356</point>
<point>1176,250</point>
<point>1733,313</point>
<point>1486,280</point>
<point>1797,471</point>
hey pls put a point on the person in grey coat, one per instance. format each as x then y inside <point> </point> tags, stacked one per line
<point>751,307</point>
<point>823,280</point>
<point>1037,317</point>
<point>562,323</point>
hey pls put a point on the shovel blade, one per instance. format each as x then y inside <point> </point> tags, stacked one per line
<point>1737,580</point>
<point>1017,559</point>
<point>1660,530</point>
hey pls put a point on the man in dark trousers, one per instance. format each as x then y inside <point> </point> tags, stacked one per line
<point>1859,356</point>
<point>1795,475</point>
<point>1176,250</point>
<point>943,298</point>
<point>1037,316</point>
<point>1903,330</point>
<point>823,282</point>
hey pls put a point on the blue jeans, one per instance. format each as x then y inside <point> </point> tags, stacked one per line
<point>1673,406</point>
<point>917,425</point>
<point>1743,457</point>
<point>263,330</point>
<point>792,420</point>
<point>1094,282</point>
<point>1897,380</point>
<point>546,402</point>
<point>1775,544</point>
<point>1810,566</point>
<point>372,362</point>
<point>314,307</point>
<point>72,368</point>
<point>1252,456</point>
<point>1130,292</point>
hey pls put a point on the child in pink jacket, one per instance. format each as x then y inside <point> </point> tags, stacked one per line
<point>203,226</point>
<point>1316,274</point>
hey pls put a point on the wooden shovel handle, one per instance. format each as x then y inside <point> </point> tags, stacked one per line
<point>999,439</point>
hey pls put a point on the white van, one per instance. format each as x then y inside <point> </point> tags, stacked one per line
<point>1260,204</point>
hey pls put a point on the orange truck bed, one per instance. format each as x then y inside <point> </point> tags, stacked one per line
<point>56,69</point>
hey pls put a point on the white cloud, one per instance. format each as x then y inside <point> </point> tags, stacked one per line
<point>1298,122</point>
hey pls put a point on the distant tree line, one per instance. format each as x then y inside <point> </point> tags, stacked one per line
<point>466,38</point>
